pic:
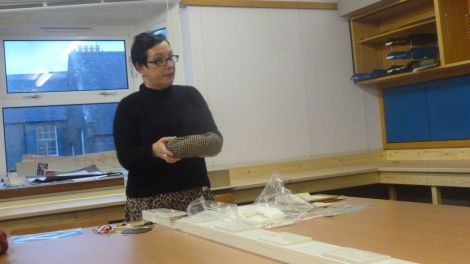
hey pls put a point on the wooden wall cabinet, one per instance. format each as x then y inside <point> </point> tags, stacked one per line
<point>372,27</point>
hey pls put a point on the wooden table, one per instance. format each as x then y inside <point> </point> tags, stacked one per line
<point>162,245</point>
<point>417,232</point>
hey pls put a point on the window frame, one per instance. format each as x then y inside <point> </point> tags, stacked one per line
<point>131,73</point>
<point>5,94</point>
<point>29,99</point>
<point>154,31</point>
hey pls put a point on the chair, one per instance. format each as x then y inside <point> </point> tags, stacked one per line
<point>58,226</point>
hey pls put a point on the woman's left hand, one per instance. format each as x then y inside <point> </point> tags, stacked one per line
<point>159,150</point>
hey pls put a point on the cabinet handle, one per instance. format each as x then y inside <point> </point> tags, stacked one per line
<point>34,96</point>
<point>107,93</point>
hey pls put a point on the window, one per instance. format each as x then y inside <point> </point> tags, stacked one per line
<point>64,65</point>
<point>57,130</point>
<point>59,97</point>
<point>161,31</point>
<point>46,139</point>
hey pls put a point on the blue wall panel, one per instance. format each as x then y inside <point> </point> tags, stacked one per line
<point>430,111</point>
<point>406,113</point>
<point>449,109</point>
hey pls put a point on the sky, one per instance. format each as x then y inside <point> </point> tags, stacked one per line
<point>35,57</point>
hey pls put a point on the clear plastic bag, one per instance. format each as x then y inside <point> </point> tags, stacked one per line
<point>275,206</point>
<point>202,210</point>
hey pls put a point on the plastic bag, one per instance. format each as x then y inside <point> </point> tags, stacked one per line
<point>275,206</point>
<point>202,210</point>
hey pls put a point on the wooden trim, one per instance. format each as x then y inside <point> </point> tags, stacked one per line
<point>392,192</point>
<point>383,124</point>
<point>440,36</point>
<point>428,144</point>
<point>260,4</point>
<point>439,179</point>
<point>267,169</point>
<point>354,47</point>
<point>436,195</point>
<point>312,185</point>
<point>60,187</point>
<point>428,154</point>
<point>335,183</point>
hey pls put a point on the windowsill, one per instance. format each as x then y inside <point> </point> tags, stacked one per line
<point>58,187</point>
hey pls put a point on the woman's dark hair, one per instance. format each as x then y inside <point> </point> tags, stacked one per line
<point>143,42</point>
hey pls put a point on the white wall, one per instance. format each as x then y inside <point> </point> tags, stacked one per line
<point>168,16</point>
<point>277,82</point>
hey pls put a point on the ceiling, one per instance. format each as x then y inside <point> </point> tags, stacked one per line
<point>8,4</point>
<point>15,11</point>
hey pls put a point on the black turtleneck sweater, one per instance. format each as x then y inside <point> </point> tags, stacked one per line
<point>144,117</point>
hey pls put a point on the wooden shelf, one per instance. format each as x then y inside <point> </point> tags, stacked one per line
<point>426,26</point>
<point>372,27</point>
<point>391,10</point>
<point>401,18</point>
<point>439,72</point>
<point>398,19</point>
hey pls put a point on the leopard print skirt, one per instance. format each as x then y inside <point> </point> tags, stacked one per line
<point>175,200</point>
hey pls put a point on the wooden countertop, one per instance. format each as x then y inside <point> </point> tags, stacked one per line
<point>11,209</point>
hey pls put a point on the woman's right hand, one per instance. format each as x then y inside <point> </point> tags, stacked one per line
<point>159,150</point>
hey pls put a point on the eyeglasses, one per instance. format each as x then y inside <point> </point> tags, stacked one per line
<point>163,61</point>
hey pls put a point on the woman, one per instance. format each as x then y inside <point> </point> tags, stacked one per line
<point>161,133</point>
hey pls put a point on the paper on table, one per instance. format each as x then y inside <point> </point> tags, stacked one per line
<point>80,172</point>
<point>87,172</point>
<point>81,179</point>
<point>354,256</point>
<point>47,235</point>
<point>90,170</point>
<point>285,238</point>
